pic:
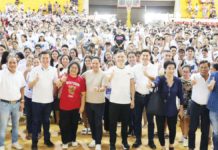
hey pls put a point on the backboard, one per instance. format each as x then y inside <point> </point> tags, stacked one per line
<point>128,3</point>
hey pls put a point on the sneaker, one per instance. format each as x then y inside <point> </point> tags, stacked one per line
<point>34,146</point>
<point>98,147</point>
<point>17,146</point>
<point>92,144</point>
<point>152,145</point>
<point>49,144</point>
<point>2,148</point>
<point>125,146</point>
<point>89,131</point>
<point>185,142</point>
<point>137,144</point>
<point>84,131</point>
<point>181,139</point>
<point>64,146</point>
<point>74,144</point>
<point>112,147</point>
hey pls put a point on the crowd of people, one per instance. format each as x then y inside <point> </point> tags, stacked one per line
<point>75,66</point>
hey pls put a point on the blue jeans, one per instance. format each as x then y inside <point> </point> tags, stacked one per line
<point>214,123</point>
<point>7,110</point>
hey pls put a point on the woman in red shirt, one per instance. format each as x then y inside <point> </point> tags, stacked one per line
<point>72,101</point>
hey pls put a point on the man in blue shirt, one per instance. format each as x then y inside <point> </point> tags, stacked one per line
<point>213,104</point>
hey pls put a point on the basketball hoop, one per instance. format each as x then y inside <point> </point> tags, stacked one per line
<point>129,4</point>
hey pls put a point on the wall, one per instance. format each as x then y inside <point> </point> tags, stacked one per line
<point>137,13</point>
<point>33,4</point>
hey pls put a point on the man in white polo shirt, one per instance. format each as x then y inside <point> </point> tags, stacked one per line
<point>144,73</point>
<point>12,84</point>
<point>198,106</point>
<point>42,79</point>
<point>122,98</point>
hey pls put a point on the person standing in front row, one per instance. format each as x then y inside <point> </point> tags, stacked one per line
<point>198,106</point>
<point>143,73</point>
<point>122,98</point>
<point>12,84</point>
<point>72,103</point>
<point>42,80</point>
<point>95,100</point>
<point>213,104</point>
<point>169,87</point>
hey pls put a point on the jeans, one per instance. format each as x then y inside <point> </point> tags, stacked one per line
<point>68,125</point>
<point>140,103</point>
<point>214,123</point>
<point>41,114</point>
<point>118,112</point>
<point>197,113</point>
<point>7,110</point>
<point>95,114</point>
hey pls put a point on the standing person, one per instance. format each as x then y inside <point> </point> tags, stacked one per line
<point>72,103</point>
<point>41,81</point>
<point>198,106</point>
<point>28,97</point>
<point>122,98</point>
<point>119,40</point>
<point>95,101</point>
<point>12,84</point>
<point>187,91</point>
<point>131,60</point>
<point>213,104</point>
<point>86,66</point>
<point>109,64</point>
<point>169,88</point>
<point>143,73</point>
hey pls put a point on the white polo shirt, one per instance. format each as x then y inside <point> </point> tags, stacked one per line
<point>141,80</point>
<point>200,92</point>
<point>10,85</point>
<point>43,90</point>
<point>120,85</point>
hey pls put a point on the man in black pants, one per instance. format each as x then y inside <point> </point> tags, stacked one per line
<point>198,106</point>
<point>95,101</point>
<point>121,100</point>
<point>42,80</point>
<point>143,74</point>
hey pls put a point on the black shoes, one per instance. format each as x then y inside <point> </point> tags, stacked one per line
<point>34,147</point>
<point>137,144</point>
<point>126,146</point>
<point>152,145</point>
<point>112,147</point>
<point>49,144</point>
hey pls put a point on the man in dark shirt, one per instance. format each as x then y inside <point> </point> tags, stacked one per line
<point>119,39</point>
